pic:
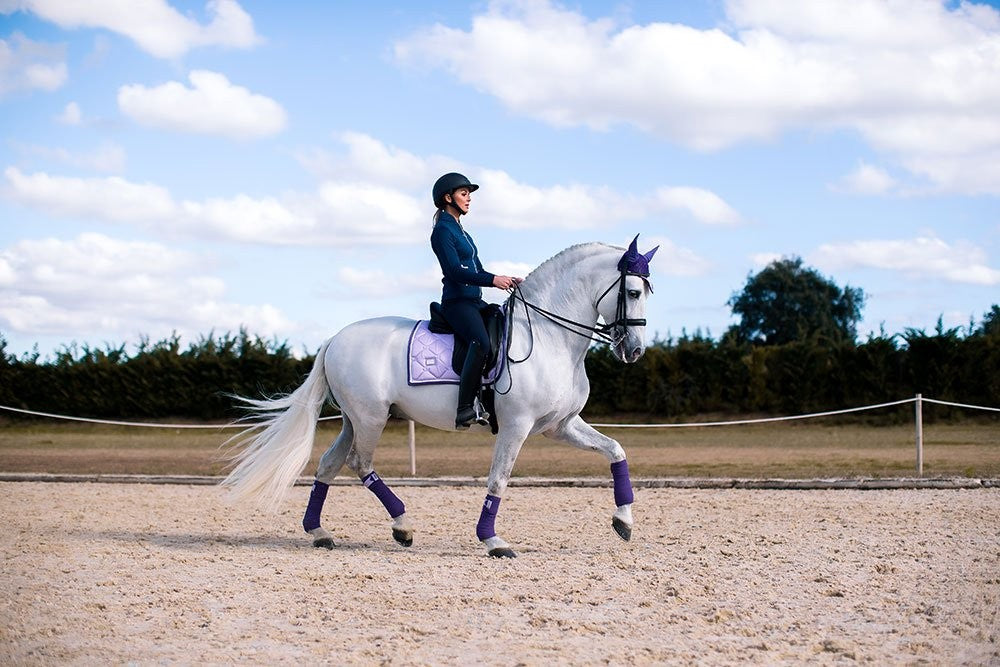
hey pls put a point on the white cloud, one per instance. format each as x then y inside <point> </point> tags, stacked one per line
<point>375,213</point>
<point>502,201</point>
<point>672,259</point>
<point>242,218</point>
<point>368,159</point>
<point>153,25</point>
<point>703,205</point>
<point>762,259</point>
<point>922,257</point>
<point>336,214</point>
<point>212,105</point>
<point>499,268</point>
<point>108,158</point>
<point>918,80</point>
<point>369,283</point>
<point>113,199</point>
<point>71,115</point>
<point>98,286</point>
<point>28,65</point>
<point>866,180</point>
<point>364,205</point>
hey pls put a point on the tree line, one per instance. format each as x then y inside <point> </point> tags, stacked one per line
<point>793,351</point>
<point>676,378</point>
<point>697,375</point>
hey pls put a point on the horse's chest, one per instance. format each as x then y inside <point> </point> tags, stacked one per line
<point>565,389</point>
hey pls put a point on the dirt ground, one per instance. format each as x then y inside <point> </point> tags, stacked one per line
<point>788,450</point>
<point>126,573</point>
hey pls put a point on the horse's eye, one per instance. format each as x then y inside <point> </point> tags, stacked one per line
<point>634,293</point>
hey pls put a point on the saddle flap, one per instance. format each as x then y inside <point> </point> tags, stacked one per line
<point>493,318</point>
<point>437,323</point>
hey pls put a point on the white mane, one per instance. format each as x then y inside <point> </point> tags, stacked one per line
<point>572,255</point>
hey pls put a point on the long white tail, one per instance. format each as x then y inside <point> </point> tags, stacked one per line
<point>270,454</point>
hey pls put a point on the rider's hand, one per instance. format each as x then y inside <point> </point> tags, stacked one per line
<point>506,282</point>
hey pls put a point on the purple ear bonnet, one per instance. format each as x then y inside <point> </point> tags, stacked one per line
<point>635,262</point>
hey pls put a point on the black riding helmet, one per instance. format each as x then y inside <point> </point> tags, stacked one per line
<point>448,184</point>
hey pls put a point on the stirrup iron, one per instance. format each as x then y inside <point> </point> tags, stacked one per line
<point>472,414</point>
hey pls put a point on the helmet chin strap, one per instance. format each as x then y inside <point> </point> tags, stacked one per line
<point>449,206</point>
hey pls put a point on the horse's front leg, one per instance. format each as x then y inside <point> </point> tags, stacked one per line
<point>576,432</point>
<point>505,451</point>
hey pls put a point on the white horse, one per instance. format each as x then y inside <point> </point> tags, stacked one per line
<point>363,369</point>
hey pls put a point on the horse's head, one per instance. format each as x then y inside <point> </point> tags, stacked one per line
<point>626,315</point>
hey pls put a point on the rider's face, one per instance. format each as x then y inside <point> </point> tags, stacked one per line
<point>460,199</point>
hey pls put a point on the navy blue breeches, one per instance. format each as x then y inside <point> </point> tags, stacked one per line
<point>464,317</point>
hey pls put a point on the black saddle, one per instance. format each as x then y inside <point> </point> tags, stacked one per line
<point>493,318</point>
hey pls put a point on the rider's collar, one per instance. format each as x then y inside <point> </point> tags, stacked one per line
<point>445,215</point>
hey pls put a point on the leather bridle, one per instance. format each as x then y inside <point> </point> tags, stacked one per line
<point>604,333</point>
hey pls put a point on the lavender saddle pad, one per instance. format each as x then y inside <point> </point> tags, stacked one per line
<point>429,355</point>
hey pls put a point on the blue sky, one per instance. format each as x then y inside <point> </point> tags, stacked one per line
<point>190,167</point>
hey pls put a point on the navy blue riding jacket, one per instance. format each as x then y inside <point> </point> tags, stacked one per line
<point>456,252</point>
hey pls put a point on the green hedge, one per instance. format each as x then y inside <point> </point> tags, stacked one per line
<point>696,375</point>
<point>675,379</point>
<point>159,380</point>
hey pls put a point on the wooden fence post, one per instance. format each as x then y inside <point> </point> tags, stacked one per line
<point>413,448</point>
<point>919,417</point>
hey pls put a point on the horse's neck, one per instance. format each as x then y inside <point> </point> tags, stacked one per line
<point>567,289</point>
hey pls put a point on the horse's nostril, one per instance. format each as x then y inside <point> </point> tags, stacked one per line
<point>636,353</point>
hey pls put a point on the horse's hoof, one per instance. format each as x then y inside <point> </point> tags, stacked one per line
<point>502,552</point>
<point>324,543</point>
<point>623,529</point>
<point>404,537</point>
<point>322,538</point>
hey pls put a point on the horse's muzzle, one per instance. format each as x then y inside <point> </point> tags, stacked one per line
<point>634,354</point>
<point>629,350</point>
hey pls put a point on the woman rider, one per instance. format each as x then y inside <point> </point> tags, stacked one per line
<point>462,296</point>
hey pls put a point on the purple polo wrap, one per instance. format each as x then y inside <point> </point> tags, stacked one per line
<point>393,505</point>
<point>623,485</point>
<point>485,529</point>
<point>315,507</point>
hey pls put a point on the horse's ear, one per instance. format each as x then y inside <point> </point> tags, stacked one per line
<point>649,255</point>
<point>633,247</point>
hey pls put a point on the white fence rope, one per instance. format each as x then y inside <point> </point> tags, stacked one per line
<point>918,400</point>
<point>763,420</point>
<point>111,422</point>
<point>960,405</point>
<point>732,422</point>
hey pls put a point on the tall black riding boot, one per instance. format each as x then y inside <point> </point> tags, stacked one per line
<point>470,410</point>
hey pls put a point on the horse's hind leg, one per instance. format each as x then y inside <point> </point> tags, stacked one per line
<point>329,465</point>
<point>361,459</point>
<point>579,433</point>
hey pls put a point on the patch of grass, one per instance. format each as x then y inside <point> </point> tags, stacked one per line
<point>778,450</point>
